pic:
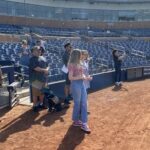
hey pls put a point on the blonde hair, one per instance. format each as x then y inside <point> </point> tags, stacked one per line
<point>75,57</point>
<point>85,53</point>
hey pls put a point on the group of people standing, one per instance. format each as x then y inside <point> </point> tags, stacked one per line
<point>36,68</point>
<point>76,85</point>
<point>77,82</point>
<point>77,79</point>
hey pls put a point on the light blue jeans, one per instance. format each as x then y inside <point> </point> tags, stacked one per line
<point>80,101</point>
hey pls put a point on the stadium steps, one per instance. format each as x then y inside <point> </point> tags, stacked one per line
<point>4,97</point>
<point>23,92</point>
<point>25,101</point>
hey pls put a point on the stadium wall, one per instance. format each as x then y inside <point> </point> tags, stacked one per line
<point>9,38</point>
<point>99,81</point>
<point>71,24</point>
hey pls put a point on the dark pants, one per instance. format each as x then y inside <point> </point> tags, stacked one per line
<point>67,79</point>
<point>117,72</point>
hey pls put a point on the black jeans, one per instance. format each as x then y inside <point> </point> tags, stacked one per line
<point>117,73</point>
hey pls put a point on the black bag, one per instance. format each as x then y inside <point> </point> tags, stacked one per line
<point>54,103</point>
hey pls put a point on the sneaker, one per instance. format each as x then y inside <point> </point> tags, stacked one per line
<point>66,101</point>
<point>50,110</point>
<point>77,123</point>
<point>70,97</point>
<point>86,128</point>
<point>66,105</point>
<point>42,106</point>
<point>35,109</point>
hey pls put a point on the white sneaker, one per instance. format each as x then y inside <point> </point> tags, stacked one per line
<point>86,128</point>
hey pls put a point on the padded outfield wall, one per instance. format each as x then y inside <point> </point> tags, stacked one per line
<point>100,80</point>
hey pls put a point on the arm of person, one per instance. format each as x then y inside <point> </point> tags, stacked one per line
<point>81,76</point>
<point>34,65</point>
<point>116,54</point>
<point>71,77</point>
<point>89,78</point>
<point>122,56</point>
<point>36,35</point>
<point>39,69</point>
<point>40,36</point>
<point>71,69</point>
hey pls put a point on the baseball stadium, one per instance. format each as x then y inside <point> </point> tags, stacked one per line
<point>74,74</point>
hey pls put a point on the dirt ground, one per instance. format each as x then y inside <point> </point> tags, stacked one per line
<point>119,119</point>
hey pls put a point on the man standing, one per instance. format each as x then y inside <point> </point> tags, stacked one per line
<point>66,55</point>
<point>38,75</point>
<point>118,57</point>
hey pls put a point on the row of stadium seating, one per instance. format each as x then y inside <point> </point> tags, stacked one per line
<point>99,50</point>
<point>16,29</point>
